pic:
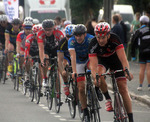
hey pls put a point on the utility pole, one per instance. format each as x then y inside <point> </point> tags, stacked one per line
<point>108,7</point>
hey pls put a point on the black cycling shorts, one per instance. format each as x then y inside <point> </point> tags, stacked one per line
<point>113,63</point>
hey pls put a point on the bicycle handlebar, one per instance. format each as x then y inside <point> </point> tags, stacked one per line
<point>114,72</point>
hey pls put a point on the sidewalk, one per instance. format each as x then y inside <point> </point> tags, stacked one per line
<point>142,96</point>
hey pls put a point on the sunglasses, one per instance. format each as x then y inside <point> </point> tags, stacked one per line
<point>68,36</point>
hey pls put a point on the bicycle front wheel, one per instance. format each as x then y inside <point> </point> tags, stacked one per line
<point>71,100</point>
<point>50,90</point>
<point>57,88</point>
<point>120,114</point>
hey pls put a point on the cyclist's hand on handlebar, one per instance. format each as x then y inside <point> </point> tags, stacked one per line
<point>127,76</point>
<point>64,73</point>
<point>73,75</point>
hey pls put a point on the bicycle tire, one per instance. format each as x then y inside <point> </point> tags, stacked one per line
<point>4,69</point>
<point>71,100</point>
<point>38,85</point>
<point>50,90</point>
<point>31,86</point>
<point>120,114</point>
<point>57,86</point>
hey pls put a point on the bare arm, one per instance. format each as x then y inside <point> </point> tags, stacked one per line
<point>7,38</point>
<point>18,45</point>
<point>93,66</point>
<point>73,60</point>
<point>41,51</point>
<point>60,58</point>
<point>122,57</point>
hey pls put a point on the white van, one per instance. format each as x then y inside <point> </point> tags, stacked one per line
<point>126,11</point>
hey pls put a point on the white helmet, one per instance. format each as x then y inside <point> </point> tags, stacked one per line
<point>36,21</point>
<point>28,19</point>
<point>27,23</point>
<point>3,18</point>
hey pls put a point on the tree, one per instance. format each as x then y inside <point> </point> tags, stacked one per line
<point>82,10</point>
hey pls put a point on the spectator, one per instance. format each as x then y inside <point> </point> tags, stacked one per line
<point>117,29</point>
<point>124,27</point>
<point>90,26</point>
<point>58,23</point>
<point>135,23</point>
<point>141,39</point>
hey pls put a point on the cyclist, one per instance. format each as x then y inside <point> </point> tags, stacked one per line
<point>107,52</point>
<point>64,56</point>
<point>141,39</point>
<point>10,40</point>
<point>31,45</point>
<point>48,39</point>
<point>3,25</point>
<point>20,45</point>
<point>78,49</point>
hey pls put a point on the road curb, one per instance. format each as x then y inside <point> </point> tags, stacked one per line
<point>136,97</point>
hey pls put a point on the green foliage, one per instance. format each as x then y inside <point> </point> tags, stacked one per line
<point>82,10</point>
<point>138,5</point>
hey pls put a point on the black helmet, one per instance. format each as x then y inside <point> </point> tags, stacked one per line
<point>16,21</point>
<point>48,23</point>
<point>79,29</point>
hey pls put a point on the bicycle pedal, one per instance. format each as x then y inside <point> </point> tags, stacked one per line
<point>60,104</point>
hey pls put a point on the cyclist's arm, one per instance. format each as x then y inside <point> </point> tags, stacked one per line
<point>60,61</point>
<point>41,52</point>
<point>93,65</point>
<point>73,60</point>
<point>18,45</point>
<point>7,38</point>
<point>122,57</point>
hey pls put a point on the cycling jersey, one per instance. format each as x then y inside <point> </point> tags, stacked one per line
<point>63,47</point>
<point>31,45</point>
<point>51,42</point>
<point>106,55</point>
<point>21,37</point>
<point>141,39</point>
<point>2,33</point>
<point>80,49</point>
<point>109,49</point>
<point>12,35</point>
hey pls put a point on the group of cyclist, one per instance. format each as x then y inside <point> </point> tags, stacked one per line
<point>74,47</point>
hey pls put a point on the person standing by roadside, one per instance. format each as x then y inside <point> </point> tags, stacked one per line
<point>141,39</point>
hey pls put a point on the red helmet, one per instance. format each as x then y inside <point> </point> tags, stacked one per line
<point>36,28</point>
<point>102,29</point>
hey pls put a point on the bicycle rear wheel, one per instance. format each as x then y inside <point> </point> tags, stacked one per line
<point>120,114</point>
<point>71,100</point>
<point>57,88</point>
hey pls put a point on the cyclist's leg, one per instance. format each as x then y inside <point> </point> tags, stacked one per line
<point>81,88</point>
<point>10,56</point>
<point>44,71</point>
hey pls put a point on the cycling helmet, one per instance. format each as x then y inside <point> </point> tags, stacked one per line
<point>36,28</point>
<point>28,19</point>
<point>48,23</point>
<point>102,29</point>
<point>69,30</point>
<point>27,23</point>
<point>3,18</point>
<point>79,29</point>
<point>36,21</point>
<point>16,21</point>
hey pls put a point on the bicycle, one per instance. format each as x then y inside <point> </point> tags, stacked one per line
<point>34,85</point>
<point>120,114</point>
<point>73,99</point>
<point>3,66</point>
<point>92,99</point>
<point>54,89</point>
